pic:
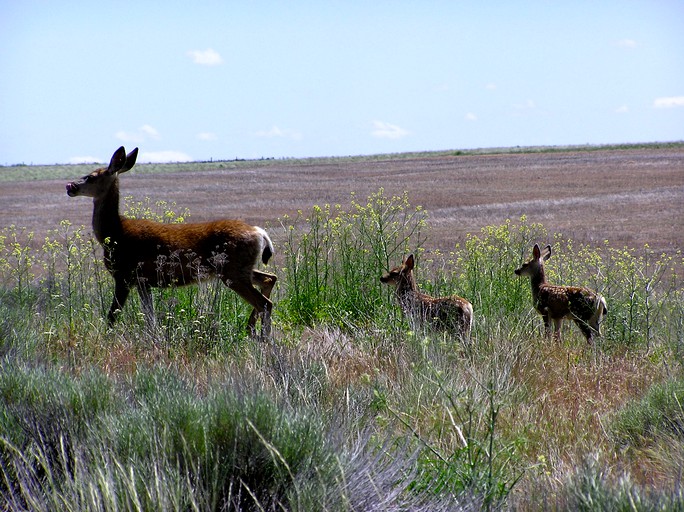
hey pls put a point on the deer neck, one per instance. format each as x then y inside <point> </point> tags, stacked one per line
<point>106,218</point>
<point>407,292</point>
<point>537,280</point>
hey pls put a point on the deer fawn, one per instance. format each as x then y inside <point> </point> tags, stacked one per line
<point>453,314</point>
<point>554,303</point>
<point>148,254</point>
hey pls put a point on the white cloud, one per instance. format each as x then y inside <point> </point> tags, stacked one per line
<point>145,132</point>
<point>164,156</point>
<point>208,57</point>
<point>150,132</point>
<point>490,87</point>
<point>622,109</point>
<point>207,136</point>
<point>85,160</point>
<point>626,43</point>
<point>528,105</point>
<point>470,117</point>
<point>129,136</point>
<point>384,130</point>
<point>274,131</point>
<point>669,102</point>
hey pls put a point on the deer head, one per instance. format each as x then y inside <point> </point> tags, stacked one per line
<point>400,274</point>
<point>536,265</point>
<point>97,183</point>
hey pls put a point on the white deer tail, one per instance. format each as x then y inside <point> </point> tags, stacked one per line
<point>600,309</point>
<point>602,304</point>
<point>267,246</point>
<point>468,324</point>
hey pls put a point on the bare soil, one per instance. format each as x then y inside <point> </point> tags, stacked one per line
<point>629,197</point>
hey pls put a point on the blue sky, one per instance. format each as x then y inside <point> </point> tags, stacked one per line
<point>249,79</point>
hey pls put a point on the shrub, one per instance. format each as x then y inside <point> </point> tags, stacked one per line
<point>593,486</point>
<point>659,413</point>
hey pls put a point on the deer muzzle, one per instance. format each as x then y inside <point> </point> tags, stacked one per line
<point>72,189</point>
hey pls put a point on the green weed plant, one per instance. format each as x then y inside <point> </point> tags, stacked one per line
<point>334,258</point>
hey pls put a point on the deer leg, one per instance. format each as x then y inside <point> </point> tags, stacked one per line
<point>121,291</point>
<point>547,324</point>
<point>466,321</point>
<point>261,304</point>
<point>265,282</point>
<point>586,329</point>
<point>595,321</point>
<point>557,324</point>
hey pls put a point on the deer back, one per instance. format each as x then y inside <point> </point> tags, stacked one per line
<point>166,254</point>
<point>566,301</point>
<point>446,313</point>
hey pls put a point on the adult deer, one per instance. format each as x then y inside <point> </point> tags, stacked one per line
<point>147,254</point>
<point>452,314</point>
<point>555,303</point>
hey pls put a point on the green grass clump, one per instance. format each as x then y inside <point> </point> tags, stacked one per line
<point>594,487</point>
<point>156,442</point>
<point>660,412</point>
<point>230,449</point>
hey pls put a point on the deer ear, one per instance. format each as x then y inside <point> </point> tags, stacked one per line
<point>409,262</point>
<point>536,253</point>
<point>130,160</point>
<point>118,161</point>
<point>547,254</point>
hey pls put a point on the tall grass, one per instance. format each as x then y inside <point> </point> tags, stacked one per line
<point>333,257</point>
<point>154,442</point>
<point>351,407</point>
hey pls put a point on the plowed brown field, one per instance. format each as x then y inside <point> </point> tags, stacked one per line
<point>629,197</point>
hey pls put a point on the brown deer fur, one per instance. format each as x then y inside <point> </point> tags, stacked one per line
<point>554,303</point>
<point>148,254</point>
<point>453,314</point>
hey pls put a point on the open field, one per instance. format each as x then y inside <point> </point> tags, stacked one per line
<point>351,405</point>
<point>629,196</point>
